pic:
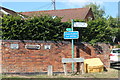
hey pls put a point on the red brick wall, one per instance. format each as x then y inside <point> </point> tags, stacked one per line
<point>26,60</point>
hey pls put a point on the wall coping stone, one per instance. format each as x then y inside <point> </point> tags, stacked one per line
<point>35,41</point>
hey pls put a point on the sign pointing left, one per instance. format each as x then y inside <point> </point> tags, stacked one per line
<point>68,29</point>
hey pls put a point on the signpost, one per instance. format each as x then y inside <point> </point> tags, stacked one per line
<point>72,21</point>
<point>73,35</point>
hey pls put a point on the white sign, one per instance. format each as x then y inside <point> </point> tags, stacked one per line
<point>80,24</point>
<point>70,60</point>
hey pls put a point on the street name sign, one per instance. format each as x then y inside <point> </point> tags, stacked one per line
<point>80,24</point>
<point>71,35</point>
<point>71,60</point>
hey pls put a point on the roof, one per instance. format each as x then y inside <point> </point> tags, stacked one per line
<point>66,14</point>
<point>7,11</point>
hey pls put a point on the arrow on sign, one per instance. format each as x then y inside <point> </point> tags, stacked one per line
<point>68,29</point>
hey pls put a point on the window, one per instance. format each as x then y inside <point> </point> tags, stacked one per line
<point>116,51</point>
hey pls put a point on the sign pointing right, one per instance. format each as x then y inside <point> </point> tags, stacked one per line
<point>80,24</point>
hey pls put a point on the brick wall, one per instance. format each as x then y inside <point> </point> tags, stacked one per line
<point>27,60</point>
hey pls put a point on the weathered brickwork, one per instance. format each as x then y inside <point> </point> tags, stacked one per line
<point>27,60</point>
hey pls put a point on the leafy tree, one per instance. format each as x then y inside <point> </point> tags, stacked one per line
<point>96,31</point>
<point>115,34</point>
<point>114,26</point>
<point>112,22</point>
<point>97,11</point>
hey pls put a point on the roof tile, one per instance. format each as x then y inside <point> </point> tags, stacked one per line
<point>67,14</point>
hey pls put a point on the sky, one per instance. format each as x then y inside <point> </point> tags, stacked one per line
<point>109,6</point>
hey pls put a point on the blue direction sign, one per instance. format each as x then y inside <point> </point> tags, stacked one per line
<point>71,35</point>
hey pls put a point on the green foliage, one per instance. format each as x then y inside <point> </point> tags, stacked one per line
<point>33,28</point>
<point>11,27</point>
<point>44,27</point>
<point>112,22</point>
<point>96,31</point>
<point>108,31</point>
<point>114,25</point>
<point>97,11</point>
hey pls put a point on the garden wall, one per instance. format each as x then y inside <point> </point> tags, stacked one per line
<point>17,58</point>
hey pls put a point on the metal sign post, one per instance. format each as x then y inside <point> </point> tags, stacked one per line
<point>72,21</point>
<point>70,34</point>
<point>76,24</point>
